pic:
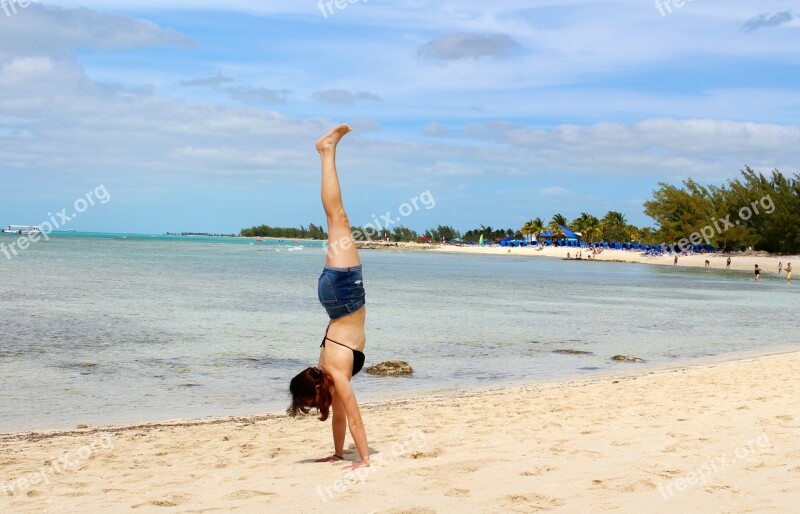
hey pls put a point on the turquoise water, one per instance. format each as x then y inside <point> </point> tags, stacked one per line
<point>117,329</point>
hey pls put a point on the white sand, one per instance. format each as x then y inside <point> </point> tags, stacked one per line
<point>718,438</point>
<point>768,264</point>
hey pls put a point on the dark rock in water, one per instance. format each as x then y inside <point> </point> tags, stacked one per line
<point>391,369</point>
<point>625,358</point>
<point>572,352</point>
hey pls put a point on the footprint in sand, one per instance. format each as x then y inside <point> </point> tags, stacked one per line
<point>423,455</point>
<point>412,510</point>
<point>540,470</point>
<point>170,501</point>
<point>457,492</point>
<point>670,473</point>
<point>246,494</point>
<point>155,503</point>
<point>638,486</point>
<point>532,502</point>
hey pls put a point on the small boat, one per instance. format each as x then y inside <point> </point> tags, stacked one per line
<point>23,230</point>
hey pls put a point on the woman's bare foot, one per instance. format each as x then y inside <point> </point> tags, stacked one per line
<point>329,141</point>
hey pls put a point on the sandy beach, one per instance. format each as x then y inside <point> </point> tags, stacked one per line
<point>739,262</point>
<point>712,438</point>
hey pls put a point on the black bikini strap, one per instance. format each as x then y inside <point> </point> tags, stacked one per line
<point>337,342</point>
<point>326,338</point>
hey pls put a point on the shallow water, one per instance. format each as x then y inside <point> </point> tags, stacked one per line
<point>101,329</point>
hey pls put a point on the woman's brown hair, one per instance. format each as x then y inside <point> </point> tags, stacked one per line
<point>305,396</point>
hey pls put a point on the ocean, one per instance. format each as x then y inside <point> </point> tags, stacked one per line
<point>114,329</point>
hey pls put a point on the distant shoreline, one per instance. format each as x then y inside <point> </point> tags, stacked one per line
<point>767,263</point>
<point>739,262</point>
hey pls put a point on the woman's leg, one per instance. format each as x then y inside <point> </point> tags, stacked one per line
<point>342,251</point>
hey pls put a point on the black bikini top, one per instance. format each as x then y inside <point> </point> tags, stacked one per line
<point>358,357</point>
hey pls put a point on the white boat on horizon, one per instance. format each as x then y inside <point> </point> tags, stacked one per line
<point>23,230</point>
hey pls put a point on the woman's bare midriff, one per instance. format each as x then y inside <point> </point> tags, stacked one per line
<point>349,330</point>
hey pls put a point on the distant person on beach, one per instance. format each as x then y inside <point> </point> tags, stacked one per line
<point>708,263</point>
<point>675,261</point>
<point>728,264</point>
<point>780,267</point>
<point>757,273</point>
<point>341,292</point>
<point>788,271</point>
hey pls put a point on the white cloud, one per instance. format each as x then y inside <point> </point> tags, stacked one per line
<point>258,95</point>
<point>701,148</point>
<point>766,20</point>
<point>555,191</point>
<point>344,96</point>
<point>435,129</point>
<point>211,80</point>
<point>454,47</point>
<point>40,29</point>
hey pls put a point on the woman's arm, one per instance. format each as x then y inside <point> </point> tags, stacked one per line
<point>348,398</point>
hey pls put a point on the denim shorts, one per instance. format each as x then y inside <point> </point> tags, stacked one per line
<point>341,290</point>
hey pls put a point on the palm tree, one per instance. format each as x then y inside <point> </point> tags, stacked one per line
<point>647,235</point>
<point>613,226</point>
<point>634,234</point>
<point>591,230</point>
<point>532,227</point>
<point>555,225</point>
<point>527,230</point>
<point>583,224</point>
<point>538,226</point>
<point>558,219</point>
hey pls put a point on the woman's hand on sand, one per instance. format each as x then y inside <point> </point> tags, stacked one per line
<point>358,464</point>
<point>332,458</point>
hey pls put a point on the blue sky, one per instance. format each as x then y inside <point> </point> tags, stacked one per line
<point>201,116</point>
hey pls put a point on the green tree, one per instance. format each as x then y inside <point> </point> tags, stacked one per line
<point>532,228</point>
<point>613,227</point>
<point>403,234</point>
<point>753,210</point>
<point>587,225</point>
<point>442,231</point>
<point>558,219</point>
